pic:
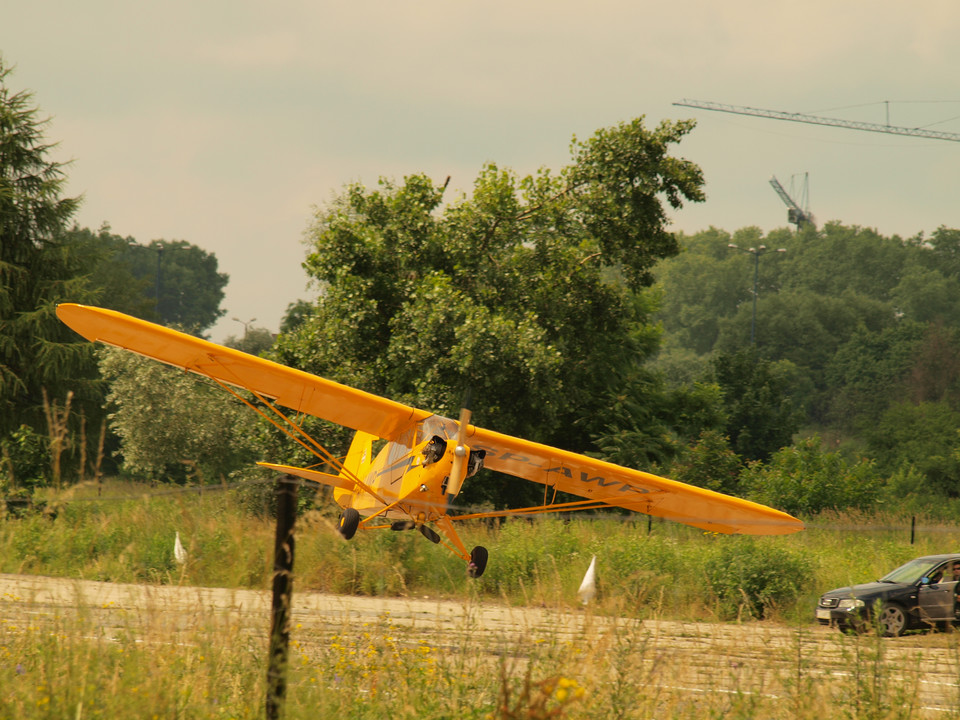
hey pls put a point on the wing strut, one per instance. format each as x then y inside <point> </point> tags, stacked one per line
<point>538,509</point>
<point>316,449</point>
<point>446,527</point>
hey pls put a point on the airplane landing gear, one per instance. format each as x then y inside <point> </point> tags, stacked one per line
<point>430,534</point>
<point>478,562</point>
<point>349,522</point>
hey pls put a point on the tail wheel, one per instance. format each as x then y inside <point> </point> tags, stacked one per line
<point>478,562</point>
<point>349,522</point>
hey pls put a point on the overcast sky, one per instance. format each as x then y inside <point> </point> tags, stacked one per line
<point>224,123</point>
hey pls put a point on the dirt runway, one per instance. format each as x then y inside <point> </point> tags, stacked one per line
<point>767,659</point>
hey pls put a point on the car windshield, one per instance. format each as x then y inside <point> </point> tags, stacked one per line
<point>912,571</point>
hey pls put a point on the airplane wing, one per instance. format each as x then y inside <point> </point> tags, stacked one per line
<point>644,492</point>
<point>302,392</point>
<point>293,389</point>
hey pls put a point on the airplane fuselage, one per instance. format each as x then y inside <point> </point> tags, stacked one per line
<point>412,482</point>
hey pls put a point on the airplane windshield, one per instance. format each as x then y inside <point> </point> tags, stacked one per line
<point>912,571</point>
<point>434,425</point>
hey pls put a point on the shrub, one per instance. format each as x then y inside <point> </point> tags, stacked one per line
<point>805,480</point>
<point>25,455</point>
<point>710,464</point>
<point>752,577</point>
<point>169,422</point>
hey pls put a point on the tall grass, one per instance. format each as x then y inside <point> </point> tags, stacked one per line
<point>102,663</point>
<point>126,535</point>
<point>85,664</point>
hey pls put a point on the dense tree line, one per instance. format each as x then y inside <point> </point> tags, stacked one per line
<point>858,331</point>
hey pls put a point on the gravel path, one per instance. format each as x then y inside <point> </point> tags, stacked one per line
<point>761,658</point>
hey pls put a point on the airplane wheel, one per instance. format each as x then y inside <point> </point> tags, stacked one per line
<point>478,562</point>
<point>430,534</point>
<point>349,522</point>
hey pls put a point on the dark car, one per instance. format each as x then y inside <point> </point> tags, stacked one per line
<point>919,594</point>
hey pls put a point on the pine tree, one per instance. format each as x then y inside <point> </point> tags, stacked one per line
<point>39,357</point>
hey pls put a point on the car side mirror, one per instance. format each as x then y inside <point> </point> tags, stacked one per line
<point>924,581</point>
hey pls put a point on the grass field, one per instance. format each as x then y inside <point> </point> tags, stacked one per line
<point>67,667</point>
<point>150,661</point>
<point>125,534</point>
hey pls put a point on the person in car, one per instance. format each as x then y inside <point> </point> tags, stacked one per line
<point>956,588</point>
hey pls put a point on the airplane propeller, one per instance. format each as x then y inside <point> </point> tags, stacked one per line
<point>459,470</point>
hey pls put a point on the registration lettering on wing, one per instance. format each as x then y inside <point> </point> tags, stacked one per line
<point>615,484</point>
<point>534,466</point>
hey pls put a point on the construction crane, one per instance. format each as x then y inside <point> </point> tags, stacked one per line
<point>817,120</point>
<point>796,215</point>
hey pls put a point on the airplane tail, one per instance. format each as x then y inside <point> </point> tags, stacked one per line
<point>350,480</point>
<point>356,466</point>
<point>359,456</point>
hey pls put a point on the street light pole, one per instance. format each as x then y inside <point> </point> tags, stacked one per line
<point>756,252</point>
<point>246,325</point>
<point>756,277</point>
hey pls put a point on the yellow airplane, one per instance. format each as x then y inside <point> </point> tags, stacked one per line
<point>413,480</point>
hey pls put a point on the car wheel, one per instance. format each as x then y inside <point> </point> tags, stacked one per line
<point>892,619</point>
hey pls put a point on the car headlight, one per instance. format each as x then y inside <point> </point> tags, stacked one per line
<point>850,603</point>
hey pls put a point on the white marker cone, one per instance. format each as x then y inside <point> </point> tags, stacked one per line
<point>179,553</point>
<point>588,588</point>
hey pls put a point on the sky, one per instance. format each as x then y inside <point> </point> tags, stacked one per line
<point>229,123</point>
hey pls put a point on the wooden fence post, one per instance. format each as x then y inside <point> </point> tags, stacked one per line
<point>282,595</point>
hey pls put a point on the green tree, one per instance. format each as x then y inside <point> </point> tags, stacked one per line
<point>256,340</point>
<point>853,321</point>
<point>841,259</point>
<point>935,372</point>
<point>37,353</point>
<point>129,276</point>
<point>761,419</point>
<point>104,259</point>
<point>923,436</point>
<point>701,286</point>
<point>821,323</point>
<point>529,291</point>
<point>44,261</point>
<point>926,295</point>
<point>652,428</point>
<point>711,464</point>
<point>171,425</point>
<point>804,480</point>
<point>867,372</point>
<point>941,252</point>
<point>184,282</point>
<point>296,315</point>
